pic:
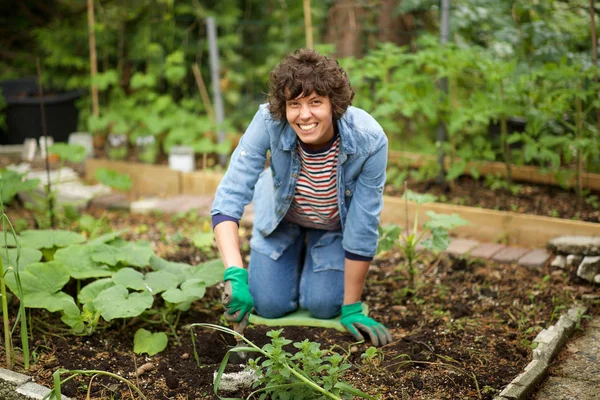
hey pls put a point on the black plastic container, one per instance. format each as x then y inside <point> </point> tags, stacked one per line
<point>23,112</point>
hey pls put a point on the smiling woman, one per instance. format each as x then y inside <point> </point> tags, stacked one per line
<point>317,207</point>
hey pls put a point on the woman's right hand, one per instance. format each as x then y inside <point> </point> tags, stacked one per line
<point>236,296</point>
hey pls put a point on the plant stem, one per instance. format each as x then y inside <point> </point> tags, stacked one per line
<point>94,372</point>
<point>7,338</point>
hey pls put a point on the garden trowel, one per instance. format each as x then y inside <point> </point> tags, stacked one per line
<point>240,357</point>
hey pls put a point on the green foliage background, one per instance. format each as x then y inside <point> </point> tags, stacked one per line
<point>529,59</point>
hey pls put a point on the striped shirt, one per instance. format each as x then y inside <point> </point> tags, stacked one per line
<point>315,198</point>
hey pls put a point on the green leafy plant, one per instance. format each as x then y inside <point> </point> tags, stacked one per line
<point>311,373</point>
<point>433,236</point>
<point>114,179</point>
<point>13,183</point>
<point>10,261</point>
<point>118,283</point>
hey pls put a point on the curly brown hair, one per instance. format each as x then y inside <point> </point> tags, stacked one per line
<point>303,72</point>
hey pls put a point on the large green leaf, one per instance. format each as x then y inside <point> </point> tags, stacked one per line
<point>26,257</point>
<point>154,282</point>
<point>135,254</point>
<point>419,198</point>
<point>49,238</point>
<point>41,284</point>
<point>438,241</point>
<point>147,342</point>
<point>107,237</point>
<point>181,270</point>
<point>117,302</point>
<point>74,153</point>
<point>78,260</point>
<point>190,290</point>
<point>444,221</point>
<point>9,241</point>
<point>211,272</point>
<point>90,291</point>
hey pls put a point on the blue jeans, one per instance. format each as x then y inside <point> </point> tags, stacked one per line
<point>305,268</point>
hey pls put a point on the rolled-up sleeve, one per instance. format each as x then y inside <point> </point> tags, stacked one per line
<point>236,188</point>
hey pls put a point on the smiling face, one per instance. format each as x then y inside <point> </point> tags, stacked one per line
<point>311,117</point>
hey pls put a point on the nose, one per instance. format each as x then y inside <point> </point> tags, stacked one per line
<point>305,111</point>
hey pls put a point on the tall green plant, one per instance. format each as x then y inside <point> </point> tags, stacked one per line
<point>11,261</point>
<point>432,236</point>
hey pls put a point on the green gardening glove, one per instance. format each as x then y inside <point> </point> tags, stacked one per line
<point>355,321</point>
<point>236,296</point>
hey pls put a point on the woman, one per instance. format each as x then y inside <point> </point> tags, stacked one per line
<point>317,206</point>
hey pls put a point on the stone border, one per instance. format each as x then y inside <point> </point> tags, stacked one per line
<point>549,342</point>
<point>16,386</point>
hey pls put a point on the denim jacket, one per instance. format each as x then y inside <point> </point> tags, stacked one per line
<point>361,178</point>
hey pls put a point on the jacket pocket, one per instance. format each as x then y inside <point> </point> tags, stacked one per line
<point>277,242</point>
<point>328,253</point>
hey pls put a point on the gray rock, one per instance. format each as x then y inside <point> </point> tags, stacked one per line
<point>559,261</point>
<point>589,268</point>
<point>585,245</point>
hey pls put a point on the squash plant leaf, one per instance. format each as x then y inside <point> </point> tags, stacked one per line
<point>114,179</point>
<point>438,241</point>
<point>419,198</point>
<point>9,240</point>
<point>147,342</point>
<point>107,237</point>
<point>74,153</point>
<point>444,221</point>
<point>78,260</point>
<point>41,284</point>
<point>49,238</point>
<point>154,282</point>
<point>118,302</point>
<point>189,291</point>
<point>26,257</point>
<point>181,270</point>
<point>211,272</point>
<point>90,291</point>
<point>134,254</point>
<point>81,322</point>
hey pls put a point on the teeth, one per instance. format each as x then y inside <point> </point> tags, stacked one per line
<point>308,127</point>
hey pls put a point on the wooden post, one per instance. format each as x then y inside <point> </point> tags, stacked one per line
<point>93,62</point>
<point>308,24</point>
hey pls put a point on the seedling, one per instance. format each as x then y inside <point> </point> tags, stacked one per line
<point>433,235</point>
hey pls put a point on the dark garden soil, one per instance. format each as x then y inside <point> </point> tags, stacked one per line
<point>465,333</point>
<point>528,198</point>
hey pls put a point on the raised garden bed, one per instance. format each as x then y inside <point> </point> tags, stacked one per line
<point>465,333</point>
<point>486,224</point>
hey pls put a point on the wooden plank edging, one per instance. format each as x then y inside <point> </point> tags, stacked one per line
<point>491,225</point>
<point>148,179</point>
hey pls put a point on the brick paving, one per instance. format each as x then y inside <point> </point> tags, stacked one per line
<point>486,250</point>
<point>461,247</point>
<point>535,259</point>
<point>509,254</point>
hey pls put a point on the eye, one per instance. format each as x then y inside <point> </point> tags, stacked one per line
<point>316,102</point>
<point>293,104</point>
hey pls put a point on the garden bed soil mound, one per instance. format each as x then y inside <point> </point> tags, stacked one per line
<point>528,198</point>
<point>465,333</point>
